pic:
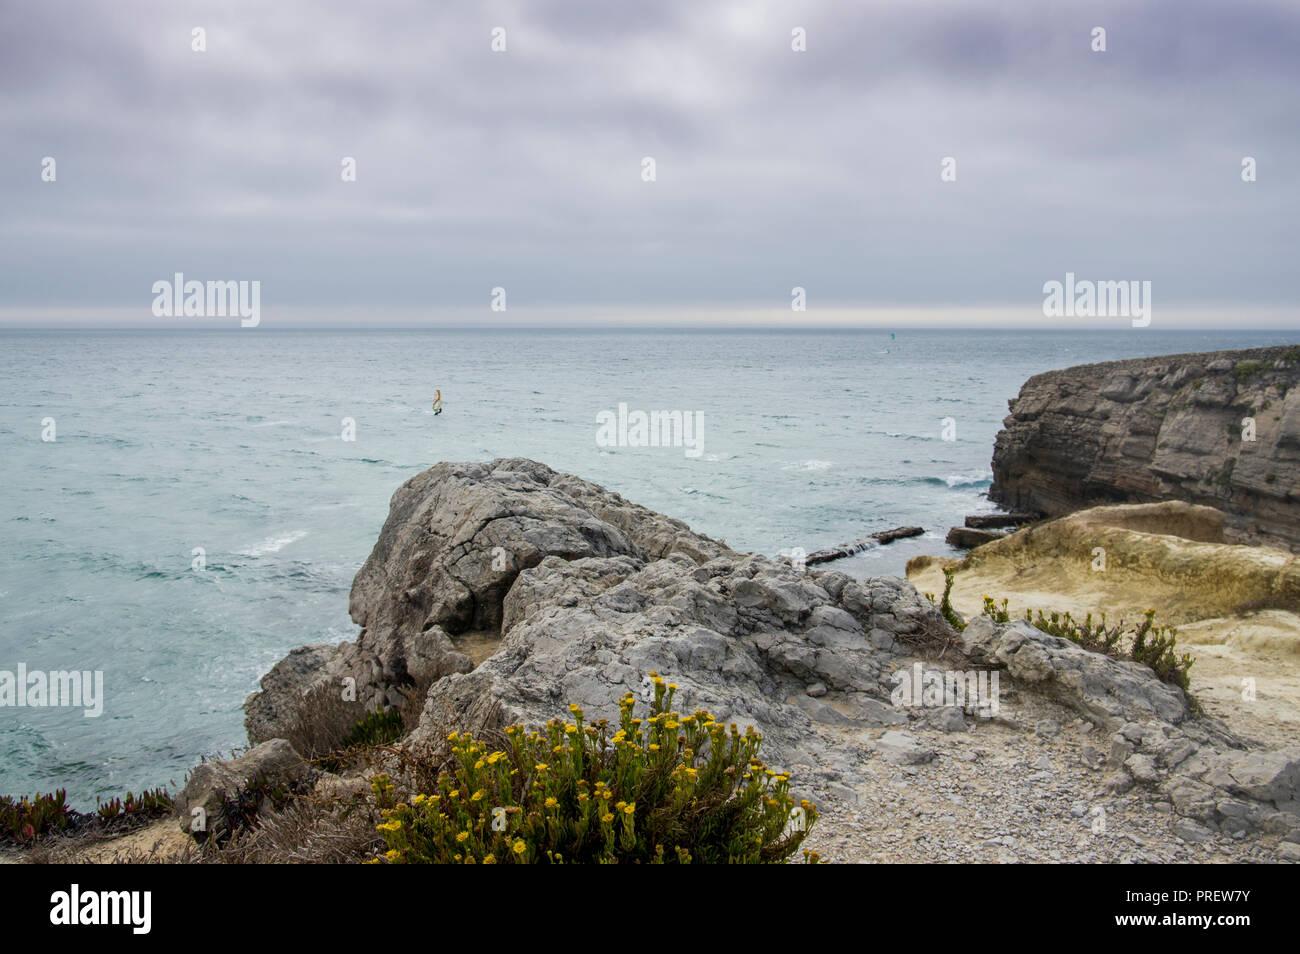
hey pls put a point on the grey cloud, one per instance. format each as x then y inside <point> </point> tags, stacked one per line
<point>522,169</point>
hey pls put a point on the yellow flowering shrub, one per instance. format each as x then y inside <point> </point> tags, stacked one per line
<point>665,788</point>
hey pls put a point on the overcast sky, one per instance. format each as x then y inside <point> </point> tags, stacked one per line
<point>774,168</point>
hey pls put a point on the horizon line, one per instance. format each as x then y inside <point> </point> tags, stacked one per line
<point>629,329</point>
<point>687,317</point>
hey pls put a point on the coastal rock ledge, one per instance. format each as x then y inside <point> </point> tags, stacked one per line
<point>1151,429</point>
<point>575,594</point>
<point>499,592</point>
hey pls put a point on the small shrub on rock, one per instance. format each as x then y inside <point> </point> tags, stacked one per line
<point>1148,644</point>
<point>945,605</point>
<point>377,728</point>
<point>996,612</point>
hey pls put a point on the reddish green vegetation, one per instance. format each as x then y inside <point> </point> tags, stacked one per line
<point>24,820</point>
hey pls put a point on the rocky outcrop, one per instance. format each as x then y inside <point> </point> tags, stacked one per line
<point>996,521</point>
<point>1207,775</point>
<point>1108,692</point>
<point>967,538</point>
<point>587,594</point>
<point>857,546</point>
<point>583,594</point>
<point>1150,429</point>
<point>1170,556</point>
<point>741,636</point>
<point>456,539</point>
<point>1233,792</point>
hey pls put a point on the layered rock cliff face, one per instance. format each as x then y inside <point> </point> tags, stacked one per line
<point>1151,429</point>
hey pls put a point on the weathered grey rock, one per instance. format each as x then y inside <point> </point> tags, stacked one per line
<point>969,537</point>
<point>589,593</point>
<point>1192,798</point>
<point>1090,756</point>
<point>1272,777</point>
<point>1142,768</point>
<point>1150,429</point>
<point>874,712</point>
<point>1120,749</point>
<point>881,639</point>
<point>902,748</point>
<point>842,793</point>
<point>1193,831</point>
<point>1106,691</point>
<point>950,719</point>
<point>282,688</point>
<point>199,806</point>
<point>1119,782</point>
<point>778,630</point>
<point>1047,728</point>
<point>993,521</point>
<point>456,539</point>
<point>1219,783</point>
<point>820,711</point>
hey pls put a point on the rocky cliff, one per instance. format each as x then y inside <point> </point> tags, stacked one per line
<point>1219,428</point>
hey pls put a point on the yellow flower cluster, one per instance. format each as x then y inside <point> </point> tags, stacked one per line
<point>572,792</point>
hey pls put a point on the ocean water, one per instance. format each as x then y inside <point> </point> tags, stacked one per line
<point>232,442</point>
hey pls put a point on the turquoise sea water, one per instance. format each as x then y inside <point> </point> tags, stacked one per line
<point>231,442</point>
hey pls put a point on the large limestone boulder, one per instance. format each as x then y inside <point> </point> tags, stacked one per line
<point>456,539</point>
<point>579,594</point>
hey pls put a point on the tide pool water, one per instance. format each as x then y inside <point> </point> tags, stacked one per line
<point>199,511</point>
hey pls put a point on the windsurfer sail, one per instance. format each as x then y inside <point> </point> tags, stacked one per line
<point>437,402</point>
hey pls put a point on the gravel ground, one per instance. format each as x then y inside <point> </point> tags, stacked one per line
<point>1007,790</point>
